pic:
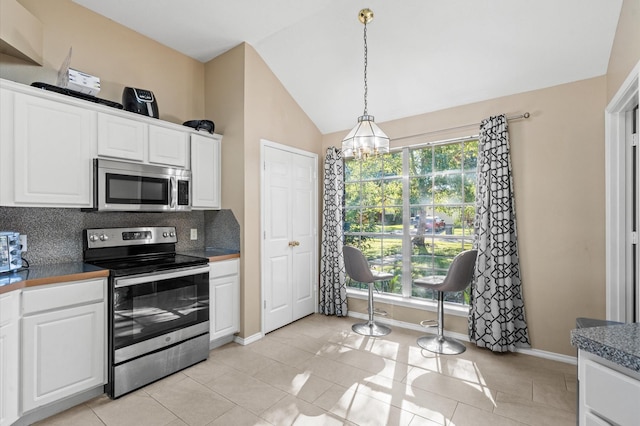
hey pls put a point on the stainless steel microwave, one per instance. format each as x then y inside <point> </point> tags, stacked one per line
<point>122,186</point>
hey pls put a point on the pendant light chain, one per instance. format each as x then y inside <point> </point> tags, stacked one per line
<point>366,89</point>
<point>366,138</point>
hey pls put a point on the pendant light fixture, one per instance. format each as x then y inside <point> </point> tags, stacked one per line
<point>365,138</point>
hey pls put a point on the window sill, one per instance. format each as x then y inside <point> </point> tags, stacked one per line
<point>409,302</point>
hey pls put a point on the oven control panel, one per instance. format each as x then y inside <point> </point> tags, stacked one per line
<point>117,237</point>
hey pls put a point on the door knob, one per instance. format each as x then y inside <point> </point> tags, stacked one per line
<point>294,243</point>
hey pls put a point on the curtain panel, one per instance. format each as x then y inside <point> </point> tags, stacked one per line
<point>333,287</point>
<point>496,314</point>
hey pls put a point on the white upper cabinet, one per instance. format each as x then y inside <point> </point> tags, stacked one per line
<point>120,137</point>
<point>48,142</point>
<point>136,140</point>
<point>168,146</point>
<point>205,171</point>
<point>53,144</point>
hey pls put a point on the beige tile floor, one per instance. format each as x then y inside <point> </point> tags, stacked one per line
<point>316,371</point>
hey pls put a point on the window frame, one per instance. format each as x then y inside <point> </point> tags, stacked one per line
<point>405,299</point>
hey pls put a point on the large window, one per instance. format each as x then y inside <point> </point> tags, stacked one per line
<point>412,211</point>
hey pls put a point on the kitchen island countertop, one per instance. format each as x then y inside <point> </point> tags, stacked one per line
<point>619,343</point>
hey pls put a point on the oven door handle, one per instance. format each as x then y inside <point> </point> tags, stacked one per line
<point>156,276</point>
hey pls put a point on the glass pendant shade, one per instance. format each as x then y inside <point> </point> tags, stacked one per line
<point>365,139</point>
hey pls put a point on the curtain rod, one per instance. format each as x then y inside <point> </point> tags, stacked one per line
<point>513,117</point>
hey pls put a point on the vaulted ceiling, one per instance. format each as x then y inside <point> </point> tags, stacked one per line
<point>423,55</point>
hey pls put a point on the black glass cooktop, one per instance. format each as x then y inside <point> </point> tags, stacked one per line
<point>148,264</point>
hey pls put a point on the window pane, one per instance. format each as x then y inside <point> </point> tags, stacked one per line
<point>372,193</point>
<point>351,170</point>
<point>392,192</point>
<point>447,189</point>
<point>371,168</point>
<point>470,188</point>
<point>448,157</point>
<point>420,161</point>
<point>371,220</point>
<point>352,194</point>
<point>393,220</point>
<point>471,155</point>
<point>392,164</point>
<point>421,190</point>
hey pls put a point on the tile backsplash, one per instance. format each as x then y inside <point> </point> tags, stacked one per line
<point>55,235</point>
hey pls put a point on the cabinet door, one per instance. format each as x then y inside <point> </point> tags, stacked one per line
<point>63,353</point>
<point>53,147</point>
<point>224,295</point>
<point>120,137</point>
<point>9,356</point>
<point>205,172</point>
<point>168,146</point>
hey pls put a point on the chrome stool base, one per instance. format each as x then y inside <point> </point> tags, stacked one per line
<point>441,345</point>
<point>371,328</point>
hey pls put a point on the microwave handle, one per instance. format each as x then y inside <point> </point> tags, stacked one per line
<point>173,188</point>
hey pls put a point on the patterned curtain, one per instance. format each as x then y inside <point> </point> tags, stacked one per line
<point>333,288</point>
<point>496,314</point>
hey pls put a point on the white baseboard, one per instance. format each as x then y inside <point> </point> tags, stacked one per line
<point>247,340</point>
<point>417,327</point>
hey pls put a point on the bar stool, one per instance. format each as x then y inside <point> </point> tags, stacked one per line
<point>457,279</point>
<point>358,270</point>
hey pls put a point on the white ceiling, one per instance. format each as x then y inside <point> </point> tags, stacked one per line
<point>424,55</point>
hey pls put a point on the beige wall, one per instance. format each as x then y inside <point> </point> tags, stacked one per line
<point>625,53</point>
<point>267,111</point>
<point>558,169</point>
<point>119,56</point>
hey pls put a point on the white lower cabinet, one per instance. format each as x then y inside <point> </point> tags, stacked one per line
<point>609,393</point>
<point>9,357</point>
<point>224,298</point>
<point>63,341</point>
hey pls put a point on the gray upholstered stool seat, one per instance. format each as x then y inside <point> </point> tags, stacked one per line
<point>358,270</point>
<point>457,279</point>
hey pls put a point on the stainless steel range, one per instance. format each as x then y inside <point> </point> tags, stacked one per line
<point>158,304</point>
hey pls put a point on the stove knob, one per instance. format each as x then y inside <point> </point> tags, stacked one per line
<point>172,234</point>
<point>104,237</point>
<point>165,234</point>
<point>93,238</point>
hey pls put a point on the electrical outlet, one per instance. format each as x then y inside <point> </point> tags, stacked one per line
<point>23,242</point>
<point>194,234</point>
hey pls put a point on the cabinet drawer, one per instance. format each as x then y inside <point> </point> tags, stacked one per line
<point>611,394</point>
<point>57,296</point>
<point>223,268</point>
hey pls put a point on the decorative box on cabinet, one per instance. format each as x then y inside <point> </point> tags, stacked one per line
<point>224,295</point>
<point>63,341</point>
<point>9,357</point>
<point>205,171</point>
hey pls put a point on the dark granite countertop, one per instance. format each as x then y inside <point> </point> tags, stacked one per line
<point>619,344</point>
<point>50,274</point>
<point>214,254</point>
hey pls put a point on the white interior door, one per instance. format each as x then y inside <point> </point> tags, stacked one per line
<point>289,250</point>
<point>303,234</point>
